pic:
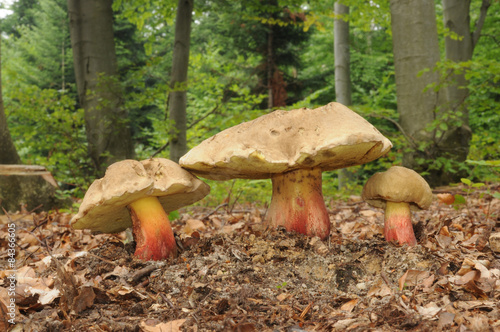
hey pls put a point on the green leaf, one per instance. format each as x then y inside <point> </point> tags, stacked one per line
<point>173,215</point>
<point>466,181</point>
<point>459,199</point>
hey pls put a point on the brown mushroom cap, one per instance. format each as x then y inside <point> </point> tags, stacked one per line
<point>398,184</point>
<point>329,137</point>
<point>104,207</point>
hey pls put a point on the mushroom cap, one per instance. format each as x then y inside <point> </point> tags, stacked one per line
<point>329,137</point>
<point>104,206</point>
<point>398,184</point>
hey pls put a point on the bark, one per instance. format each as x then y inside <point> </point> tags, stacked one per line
<point>416,52</point>
<point>459,48</point>
<point>177,100</point>
<point>341,50</point>
<point>100,93</point>
<point>342,55</point>
<point>8,152</point>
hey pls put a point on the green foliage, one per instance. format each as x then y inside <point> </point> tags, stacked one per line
<point>282,285</point>
<point>472,187</point>
<point>227,82</point>
<point>48,130</point>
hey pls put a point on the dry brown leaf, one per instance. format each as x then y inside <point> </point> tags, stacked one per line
<point>84,299</point>
<point>379,289</point>
<point>172,326</point>
<point>349,305</point>
<point>446,198</point>
<point>412,278</point>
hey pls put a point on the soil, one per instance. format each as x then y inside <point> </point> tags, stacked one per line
<point>234,274</point>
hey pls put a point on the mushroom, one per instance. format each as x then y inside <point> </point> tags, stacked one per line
<point>140,195</point>
<point>398,190</point>
<point>292,148</point>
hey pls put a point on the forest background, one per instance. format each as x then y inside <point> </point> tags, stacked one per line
<point>245,59</point>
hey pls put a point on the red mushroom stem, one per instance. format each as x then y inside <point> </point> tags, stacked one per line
<point>397,223</point>
<point>297,203</point>
<point>152,231</point>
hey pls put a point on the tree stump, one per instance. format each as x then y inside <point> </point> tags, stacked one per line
<point>30,186</point>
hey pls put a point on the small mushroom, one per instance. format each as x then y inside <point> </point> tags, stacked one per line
<point>292,148</point>
<point>398,190</point>
<point>140,195</point>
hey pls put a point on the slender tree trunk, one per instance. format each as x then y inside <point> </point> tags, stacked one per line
<point>416,52</point>
<point>8,152</point>
<point>177,100</point>
<point>342,55</point>
<point>459,48</point>
<point>99,90</point>
<point>342,69</point>
<point>270,68</point>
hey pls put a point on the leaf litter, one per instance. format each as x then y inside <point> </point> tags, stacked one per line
<point>233,274</point>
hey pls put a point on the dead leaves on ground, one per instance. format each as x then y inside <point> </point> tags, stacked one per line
<point>233,274</point>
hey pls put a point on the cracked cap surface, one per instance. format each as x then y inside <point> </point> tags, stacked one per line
<point>330,137</point>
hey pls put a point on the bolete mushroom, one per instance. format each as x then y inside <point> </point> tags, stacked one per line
<point>398,190</point>
<point>140,195</point>
<point>292,148</point>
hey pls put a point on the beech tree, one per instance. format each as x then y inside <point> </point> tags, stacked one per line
<point>8,152</point>
<point>416,53</point>
<point>99,91</point>
<point>177,99</point>
<point>342,67</point>
<point>459,46</point>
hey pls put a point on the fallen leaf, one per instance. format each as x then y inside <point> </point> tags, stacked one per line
<point>172,326</point>
<point>349,305</point>
<point>84,299</point>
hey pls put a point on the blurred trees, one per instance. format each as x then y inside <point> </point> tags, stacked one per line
<point>177,98</point>
<point>245,57</point>
<point>99,91</point>
<point>8,152</point>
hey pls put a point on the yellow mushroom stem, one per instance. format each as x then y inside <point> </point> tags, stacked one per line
<point>397,223</point>
<point>152,231</point>
<point>297,203</point>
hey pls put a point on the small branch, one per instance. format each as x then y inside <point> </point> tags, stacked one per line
<point>410,139</point>
<point>164,146</point>
<point>480,22</point>
<point>215,210</point>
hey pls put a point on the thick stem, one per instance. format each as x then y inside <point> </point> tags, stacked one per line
<point>397,225</point>
<point>297,203</point>
<point>152,231</point>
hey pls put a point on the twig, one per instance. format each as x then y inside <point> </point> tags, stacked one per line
<point>214,211</point>
<point>137,275</point>
<point>164,146</point>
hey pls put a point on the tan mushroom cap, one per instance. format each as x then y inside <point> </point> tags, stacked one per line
<point>329,137</point>
<point>398,184</point>
<point>104,207</point>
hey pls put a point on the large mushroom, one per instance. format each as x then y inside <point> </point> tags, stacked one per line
<point>140,195</point>
<point>398,190</point>
<point>292,148</point>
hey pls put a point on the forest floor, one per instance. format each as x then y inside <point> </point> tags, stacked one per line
<point>233,274</point>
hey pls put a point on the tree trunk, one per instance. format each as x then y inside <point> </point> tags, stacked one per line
<point>416,48</point>
<point>341,50</point>
<point>8,152</point>
<point>456,140</point>
<point>99,90</point>
<point>177,100</point>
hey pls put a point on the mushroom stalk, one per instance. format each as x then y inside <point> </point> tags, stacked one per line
<point>152,231</point>
<point>297,203</point>
<point>397,223</point>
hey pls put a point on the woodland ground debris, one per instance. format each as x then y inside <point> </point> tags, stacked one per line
<point>232,274</point>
